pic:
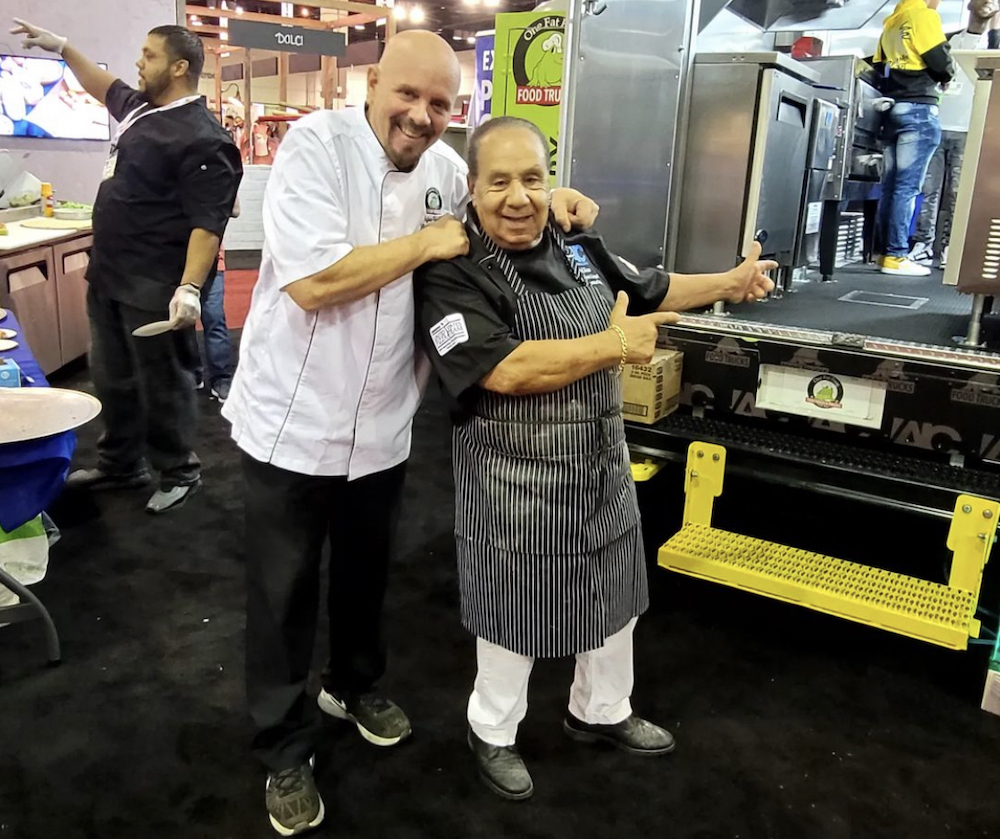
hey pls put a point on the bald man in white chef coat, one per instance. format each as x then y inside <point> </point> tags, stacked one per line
<point>325,392</point>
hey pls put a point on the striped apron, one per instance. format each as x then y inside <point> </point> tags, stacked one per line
<point>548,539</point>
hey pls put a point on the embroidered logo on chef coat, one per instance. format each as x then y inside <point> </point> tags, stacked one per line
<point>432,205</point>
<point>449,332</point>
<point>579,257</point>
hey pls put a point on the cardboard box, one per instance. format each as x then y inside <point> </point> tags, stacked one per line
<point>991,693</point>
<point>10,373</point>
<point>651,391</point>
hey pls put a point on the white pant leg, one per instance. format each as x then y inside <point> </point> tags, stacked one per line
<point>499,698</point>
<point>603,681</point>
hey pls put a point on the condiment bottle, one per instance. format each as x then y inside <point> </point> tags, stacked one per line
<point>48,199</point>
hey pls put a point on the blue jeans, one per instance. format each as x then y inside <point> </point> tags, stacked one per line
<point>218,348</point>
<point>911,134</point>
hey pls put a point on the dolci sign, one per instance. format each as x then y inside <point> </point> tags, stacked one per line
<point>243,33</point>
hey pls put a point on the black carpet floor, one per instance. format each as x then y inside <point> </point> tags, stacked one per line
<point>942,314</point>
<point>789,723</point>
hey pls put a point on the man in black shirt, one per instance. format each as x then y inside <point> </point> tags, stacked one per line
<point>527,332</point>
<point>167,192</point>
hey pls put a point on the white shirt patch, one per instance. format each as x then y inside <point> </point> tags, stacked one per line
<point>449,332</point>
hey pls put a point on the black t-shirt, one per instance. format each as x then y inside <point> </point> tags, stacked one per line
<point>176,170</point>
<point>466,309</point>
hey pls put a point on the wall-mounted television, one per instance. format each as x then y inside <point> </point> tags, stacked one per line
<point>40,97</point>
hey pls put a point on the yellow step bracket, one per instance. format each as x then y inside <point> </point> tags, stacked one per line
<point>928,611</point>
<point>646,469</point>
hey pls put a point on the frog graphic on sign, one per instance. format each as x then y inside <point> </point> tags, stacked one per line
<point>547,65</point>
<point>537,63</point>
<point>825,391</point>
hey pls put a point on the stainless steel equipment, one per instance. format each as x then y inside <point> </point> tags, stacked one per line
<point>823,137</point>
<point>622,99</point>
<point>808,15</point>
<point>974,249</point>
<point>747,141</point>
<point>857,162</point>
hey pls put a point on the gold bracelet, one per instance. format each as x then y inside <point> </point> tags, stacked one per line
<point>624,340</point>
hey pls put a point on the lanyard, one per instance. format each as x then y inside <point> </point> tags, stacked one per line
<point>134,116</point>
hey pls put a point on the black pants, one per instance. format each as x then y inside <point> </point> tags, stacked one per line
<point>289,517</point>
<point>147,389</point>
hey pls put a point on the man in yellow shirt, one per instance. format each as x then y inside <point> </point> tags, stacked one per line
<point>914,61</point>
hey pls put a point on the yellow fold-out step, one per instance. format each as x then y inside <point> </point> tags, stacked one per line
<point>928,611</point>
<point>906,605</point>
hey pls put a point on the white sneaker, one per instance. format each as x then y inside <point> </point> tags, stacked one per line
<point>944,257</point>
<point>922,253</point>
<point>901,266</point>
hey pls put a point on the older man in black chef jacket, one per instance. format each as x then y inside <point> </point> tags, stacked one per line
<point>166,194</point>
<point>528,336</point>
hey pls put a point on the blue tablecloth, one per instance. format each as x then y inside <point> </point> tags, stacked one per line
<point>31,473</point>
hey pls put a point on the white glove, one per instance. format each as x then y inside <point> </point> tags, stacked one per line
<point>38,37</point>
<point>185,306</point>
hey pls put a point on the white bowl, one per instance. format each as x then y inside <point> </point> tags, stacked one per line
<point>71,213</point>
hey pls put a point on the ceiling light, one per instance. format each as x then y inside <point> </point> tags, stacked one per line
<point>470,40</point>
<point>195,20</point>
<point>224,36</point>
<point>239,10</point>
<point>305,13</point>
<point>380,22</point>
<point>399,12</point>
<point>470,2</point>
<point>417,14</point>
<point>456,37</point>
<point>492,3</point>
<point>360,27</point>
<point>224,55</point>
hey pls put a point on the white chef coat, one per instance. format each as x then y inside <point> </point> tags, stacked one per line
<point>334,392</point>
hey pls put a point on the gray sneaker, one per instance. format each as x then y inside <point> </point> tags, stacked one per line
<point>633,734</point>
<point>293,803</point>
<point>97,480</point>
<point>379,720</point>
<point>164,500</point>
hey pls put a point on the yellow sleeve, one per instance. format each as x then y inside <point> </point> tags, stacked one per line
<point>927,32</point>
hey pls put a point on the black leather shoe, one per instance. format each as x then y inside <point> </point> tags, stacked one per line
<point>633,734</point>
<point>502,769</point>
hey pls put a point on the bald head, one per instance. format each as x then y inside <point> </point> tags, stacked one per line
<point>418,46</point>
<point>410,95</point>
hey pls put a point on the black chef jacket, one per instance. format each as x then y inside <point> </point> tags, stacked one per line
<point>177,170</point>
<point>466,309</point>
